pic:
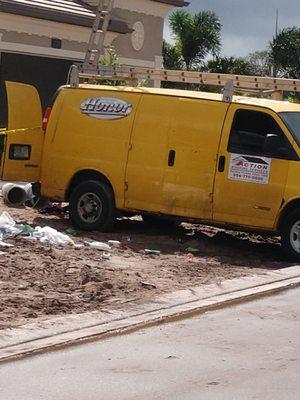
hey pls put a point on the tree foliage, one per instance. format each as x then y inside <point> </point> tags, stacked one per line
<point>110,60</point>
<point>261,62</point>
<point>285,52</point>
<point>196,36</point>
<point>172,56</point>
<point>230,65</point>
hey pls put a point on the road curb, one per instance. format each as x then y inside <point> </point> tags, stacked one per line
<point>61,332</point>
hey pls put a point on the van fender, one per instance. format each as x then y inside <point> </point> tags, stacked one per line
<point>286,208</point>
<point>87,175</point>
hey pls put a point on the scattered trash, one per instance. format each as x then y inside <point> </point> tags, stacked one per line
<point>114,243</point>
<point>3,244</point>
<point>72,232</point>
<point>152,252</point>
<point>98,245</point>
<point>106,256</point>
<point>148,285</point>
<point>192,250</point>
<point>6,220</point>
<point>52,236</point>
<point>79,246</point>
<point>34,239</point>
<point>48,235</point>
<point>9,229</point>
<point>55,209</point>
<point>25,229</point>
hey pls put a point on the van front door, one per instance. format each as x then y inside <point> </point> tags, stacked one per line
<point>251,173</point>
<point>23,139</point>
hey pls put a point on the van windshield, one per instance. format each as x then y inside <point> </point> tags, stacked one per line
<point>292,121</point>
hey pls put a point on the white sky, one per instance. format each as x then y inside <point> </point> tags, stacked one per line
<point>248,25</point>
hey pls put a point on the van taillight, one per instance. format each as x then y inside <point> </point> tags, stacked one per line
<point>46,118</point>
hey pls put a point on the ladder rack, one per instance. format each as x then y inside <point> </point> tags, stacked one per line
<point>241,83</point>
<point>90,71</point>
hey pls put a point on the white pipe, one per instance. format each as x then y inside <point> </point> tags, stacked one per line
<point>16,194</point>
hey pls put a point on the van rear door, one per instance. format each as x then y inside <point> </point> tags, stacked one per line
<point>24,136</point>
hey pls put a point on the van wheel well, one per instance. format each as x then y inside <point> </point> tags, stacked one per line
<point>287,210</point>
<point>86,175</point>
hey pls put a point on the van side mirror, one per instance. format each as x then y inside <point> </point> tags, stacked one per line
<point>272,144</point>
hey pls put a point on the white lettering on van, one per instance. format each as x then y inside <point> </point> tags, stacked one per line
<point>108,108</point>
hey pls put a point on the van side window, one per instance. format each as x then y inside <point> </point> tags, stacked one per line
<point>257,133</point>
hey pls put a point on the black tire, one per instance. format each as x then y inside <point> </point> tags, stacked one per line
<point>288,239</point>
<point>92,206</point>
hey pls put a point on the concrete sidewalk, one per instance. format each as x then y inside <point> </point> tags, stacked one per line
<point>73,329</point>
<point>249,351</point>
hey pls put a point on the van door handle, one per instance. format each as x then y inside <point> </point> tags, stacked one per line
<point>222,162</point>
<point>171,160</point>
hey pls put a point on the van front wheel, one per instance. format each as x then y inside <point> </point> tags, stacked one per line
<point>290,235</point>
<point>92,206</point>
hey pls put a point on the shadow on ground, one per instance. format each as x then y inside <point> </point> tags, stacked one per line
<point>226,246</point>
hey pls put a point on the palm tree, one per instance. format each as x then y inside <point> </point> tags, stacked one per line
<point>196,36</point>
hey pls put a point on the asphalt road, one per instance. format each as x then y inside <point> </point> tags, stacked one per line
<point>251,351</point>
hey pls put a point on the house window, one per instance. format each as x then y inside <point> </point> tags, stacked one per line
<point>56,43</point>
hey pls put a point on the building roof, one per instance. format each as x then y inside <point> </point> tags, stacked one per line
<point>66,11</point>
<point>275,105</point>
<point>176,3</point>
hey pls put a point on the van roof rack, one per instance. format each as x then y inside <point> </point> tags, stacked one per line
<point>256,85</point>
<point>90,71</point>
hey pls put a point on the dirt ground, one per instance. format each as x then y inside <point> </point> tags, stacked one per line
<point>38,280</point>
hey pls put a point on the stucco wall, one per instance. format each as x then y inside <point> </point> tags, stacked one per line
<point>37,40</point>
<point>153,28</point>
<point>28,31</point>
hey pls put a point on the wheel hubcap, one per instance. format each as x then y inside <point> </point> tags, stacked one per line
<point>89,207</point>
<point>295,237</point>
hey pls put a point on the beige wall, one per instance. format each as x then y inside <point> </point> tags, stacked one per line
<point>33,36</point>
<point>153,27</point>
<point>43,41</point>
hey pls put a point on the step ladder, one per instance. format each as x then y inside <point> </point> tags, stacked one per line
<point>97,38</point>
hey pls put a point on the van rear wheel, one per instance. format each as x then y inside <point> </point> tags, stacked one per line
<point>92,206</point>
<point>290,235</point>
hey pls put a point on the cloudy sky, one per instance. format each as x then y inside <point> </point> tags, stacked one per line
<point>248,25</point>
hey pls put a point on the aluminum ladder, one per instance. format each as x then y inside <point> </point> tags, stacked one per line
<point>97,38</point>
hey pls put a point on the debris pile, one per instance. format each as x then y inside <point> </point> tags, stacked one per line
<point>9,229</point>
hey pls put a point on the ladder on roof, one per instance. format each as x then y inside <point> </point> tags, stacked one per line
<point>90,70</point>
<point>255,85</point>
<point>97,38</point>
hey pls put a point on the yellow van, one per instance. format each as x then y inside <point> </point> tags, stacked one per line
<point>158,152</point>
